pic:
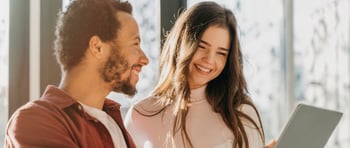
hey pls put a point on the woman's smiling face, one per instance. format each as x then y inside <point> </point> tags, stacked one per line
<point>210,57</point>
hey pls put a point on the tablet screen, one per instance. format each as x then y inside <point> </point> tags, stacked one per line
<point>308,127</point>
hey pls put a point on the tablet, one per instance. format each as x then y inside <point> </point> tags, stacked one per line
<point>308,127</point>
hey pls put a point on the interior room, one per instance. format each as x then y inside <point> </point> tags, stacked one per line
<point>295,51</point>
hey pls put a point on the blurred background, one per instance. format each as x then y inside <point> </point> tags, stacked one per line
<point>295,51</point>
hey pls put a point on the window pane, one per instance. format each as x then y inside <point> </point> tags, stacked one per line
<point>260,35</point>
<point>322,59</point>
<point>146,16</point>
<point>260,27</point>
<point>4,69</point>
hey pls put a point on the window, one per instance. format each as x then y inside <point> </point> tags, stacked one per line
<point>322,59</point>
<point>4,40</point>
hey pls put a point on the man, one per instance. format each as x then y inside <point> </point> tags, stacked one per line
<point>98,49</point>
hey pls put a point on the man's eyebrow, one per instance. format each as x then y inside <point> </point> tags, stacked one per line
<point>206,43</point>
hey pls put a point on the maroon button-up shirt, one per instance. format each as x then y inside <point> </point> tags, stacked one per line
<point>57,120</point>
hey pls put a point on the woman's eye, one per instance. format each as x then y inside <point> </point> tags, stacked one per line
<point>202,47</point>
<point>222,53</point>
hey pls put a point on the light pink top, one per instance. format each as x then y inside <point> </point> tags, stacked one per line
<point>205,128</point>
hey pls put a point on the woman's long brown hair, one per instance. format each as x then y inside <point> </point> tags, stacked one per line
<point>226,93</point>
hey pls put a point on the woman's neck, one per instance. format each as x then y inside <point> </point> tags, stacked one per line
<point>198,94</point>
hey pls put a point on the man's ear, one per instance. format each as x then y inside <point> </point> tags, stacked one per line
<point>95,46</point>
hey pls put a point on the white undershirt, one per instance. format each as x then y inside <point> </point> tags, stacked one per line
<point>109,123</point>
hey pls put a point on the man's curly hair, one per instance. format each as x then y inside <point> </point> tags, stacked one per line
<point>82,20</point>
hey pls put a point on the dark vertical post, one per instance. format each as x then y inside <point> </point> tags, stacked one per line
<point>18,54</point>
<point>169,11</point>
<point>49,69</point>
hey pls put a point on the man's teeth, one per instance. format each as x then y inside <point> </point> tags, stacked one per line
<point>135,72</point>
<point>203,69</point>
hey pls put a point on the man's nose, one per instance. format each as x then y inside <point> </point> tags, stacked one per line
<point>143,60</point>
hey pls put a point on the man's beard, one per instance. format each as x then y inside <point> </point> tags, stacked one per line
<point>125,87</point>
<point>112,70</point>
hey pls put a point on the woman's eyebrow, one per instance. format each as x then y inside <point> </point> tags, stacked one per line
<point>208,44</point>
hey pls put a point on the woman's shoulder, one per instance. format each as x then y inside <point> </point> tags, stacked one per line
<point>143,109</point>
<point>137,123</point>
<point>254,133</point>
<point>248,109</point>
<point>135,116</point>
<point>251,112</point>
<point>148,105</point>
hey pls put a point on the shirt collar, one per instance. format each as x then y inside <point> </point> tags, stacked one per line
<point>63,100</point>
<point>57,97</point>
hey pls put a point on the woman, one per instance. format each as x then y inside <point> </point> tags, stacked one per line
<point>201,98</point>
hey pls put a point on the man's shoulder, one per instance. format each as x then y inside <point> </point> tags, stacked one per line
<point>40,110</point>
<point>32,121</point>
<point>34,116</point>
<point>33,106</point>
<point>33,109</point>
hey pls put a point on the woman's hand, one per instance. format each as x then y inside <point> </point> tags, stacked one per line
<point>271,144</point>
